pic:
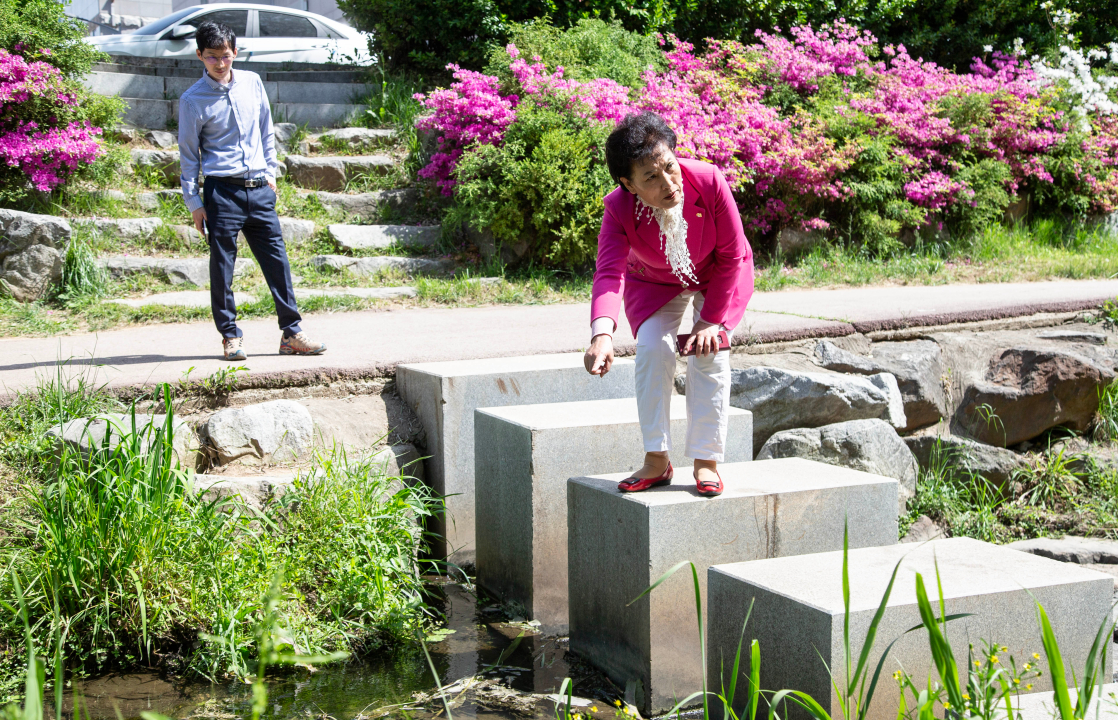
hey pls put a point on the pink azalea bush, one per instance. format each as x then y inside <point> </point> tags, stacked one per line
<point>824,129</point>
<point>40,145</point>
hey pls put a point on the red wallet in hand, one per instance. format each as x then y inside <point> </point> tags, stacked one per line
<point>681,342</point>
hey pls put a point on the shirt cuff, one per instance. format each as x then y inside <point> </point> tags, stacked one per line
<point>602,326</point>
<point>193,202</point>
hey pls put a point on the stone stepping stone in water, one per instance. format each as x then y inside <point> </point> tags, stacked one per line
<point>530,452</point>
<point>124,228</point>
<point>332,172</point>
<point>177,271</point>
<point>446,394</point>
<point>363,237</point>
<point>381,293</point>
<point>373,265</point>
<point>183,298</point>
<point>798,612</point>
<point>620,544</point>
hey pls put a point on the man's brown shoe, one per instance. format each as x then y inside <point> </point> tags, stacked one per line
<point>300,344</point>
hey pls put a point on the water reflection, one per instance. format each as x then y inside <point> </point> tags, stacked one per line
<point>482,642</point>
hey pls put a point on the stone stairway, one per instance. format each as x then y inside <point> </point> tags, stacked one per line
<point>317,99</point>
<point>528,452</point>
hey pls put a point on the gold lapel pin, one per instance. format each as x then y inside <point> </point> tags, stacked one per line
<point>698,215</point>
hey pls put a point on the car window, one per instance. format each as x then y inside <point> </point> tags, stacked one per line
<point>237,20</point>
<point>274,24</point>
<point>163,23</point>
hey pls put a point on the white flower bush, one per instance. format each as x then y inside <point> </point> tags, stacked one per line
<point>1089,87</point>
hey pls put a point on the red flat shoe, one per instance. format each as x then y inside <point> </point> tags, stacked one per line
<point>709,489</point>
<point>634,484</point>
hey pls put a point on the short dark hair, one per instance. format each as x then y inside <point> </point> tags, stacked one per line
<point>215,36</point>
<point>634,140</point>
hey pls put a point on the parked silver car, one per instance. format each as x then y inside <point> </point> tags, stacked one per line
<point>264,34</point>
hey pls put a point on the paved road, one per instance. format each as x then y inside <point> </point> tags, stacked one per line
<point>364,343</point>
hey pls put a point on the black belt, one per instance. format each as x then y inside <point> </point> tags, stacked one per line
<point>254,183</point>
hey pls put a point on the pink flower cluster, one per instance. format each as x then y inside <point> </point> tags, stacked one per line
<point>46,155</point>
<point>786,164</point>
<point>49,157</point>
<point>933,191</point>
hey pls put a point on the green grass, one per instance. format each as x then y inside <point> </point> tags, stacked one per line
<point>1056,494</point>
<point>139,568</point>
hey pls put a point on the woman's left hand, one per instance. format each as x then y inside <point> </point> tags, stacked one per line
<point>704,336</point>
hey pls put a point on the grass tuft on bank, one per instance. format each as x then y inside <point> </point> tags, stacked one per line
<point>120,553</point>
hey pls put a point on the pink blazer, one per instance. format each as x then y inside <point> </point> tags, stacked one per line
<point>632,265</point>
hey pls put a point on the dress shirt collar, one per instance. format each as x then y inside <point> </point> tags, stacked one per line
<point>214,84</point>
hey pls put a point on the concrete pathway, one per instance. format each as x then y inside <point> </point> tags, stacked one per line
<point>370,343</point>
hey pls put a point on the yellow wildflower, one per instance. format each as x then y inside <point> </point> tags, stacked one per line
<point>1029,686</point>
<point>947,706</point>
<point>994,659</point>
<point>1036,656</point>
<point>966,697</point>
<point>593,709</point>
<point>1016,681</point>
<point>617,703</point>
<point>977,663</point>
<point>1028,666</point>
<point>1005,649</point>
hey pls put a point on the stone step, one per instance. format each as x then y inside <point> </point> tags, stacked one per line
<point>124,228</point>
<point>154,87</point>
<point>165,162</point>
<point>364,237</point>
<point>381,293</point>
<point>332,172</point>
<point>521,487</point>
<point>177,271</point>
<point>182,298</point>
<point>798,613</point>
<point>298,71</point>
<point>444,396</point>
<point>620,544</point>
<point>363,267</point>
<point>354,137</point>
<point>158,114</point>
<point>365,205</point>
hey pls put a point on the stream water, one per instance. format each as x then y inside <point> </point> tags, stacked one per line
<point>515,674</point>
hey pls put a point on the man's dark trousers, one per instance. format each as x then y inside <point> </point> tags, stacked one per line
<point>231,209</point>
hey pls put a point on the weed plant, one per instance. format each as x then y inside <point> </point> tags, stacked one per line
<point>124,549</point>
<point>1105,428</point>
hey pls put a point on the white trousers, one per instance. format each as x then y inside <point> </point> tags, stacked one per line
<point>708,385</point>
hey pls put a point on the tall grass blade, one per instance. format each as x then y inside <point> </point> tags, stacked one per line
<point>1055,665</point>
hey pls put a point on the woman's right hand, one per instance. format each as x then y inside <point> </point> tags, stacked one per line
<point>599,357</point>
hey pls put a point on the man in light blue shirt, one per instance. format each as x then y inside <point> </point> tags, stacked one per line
<point>225,133</point>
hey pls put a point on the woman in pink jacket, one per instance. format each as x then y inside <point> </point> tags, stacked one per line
<point>671,234</point>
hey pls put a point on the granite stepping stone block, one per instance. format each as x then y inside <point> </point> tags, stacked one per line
<point>444,396</point>
<point>618,545</point>
<point>521,487</point>
<point>363,237</point>
<point>798,613</point>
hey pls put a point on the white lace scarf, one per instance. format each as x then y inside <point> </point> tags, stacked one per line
<point>673,238</point>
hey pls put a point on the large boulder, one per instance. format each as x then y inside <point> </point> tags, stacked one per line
<point>783,399</point>
<point>85,435</point>
<point>32,248</point>
<point>1029,389</point>
<point>274,431</point>
<point>871,446</point>
<point>917,365</point>
<point>966,457</point>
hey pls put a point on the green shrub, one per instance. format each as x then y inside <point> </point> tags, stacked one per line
<point>426,35</point>
<point>587,50</point>
<point>543,186</point>
<point>44,24</point>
